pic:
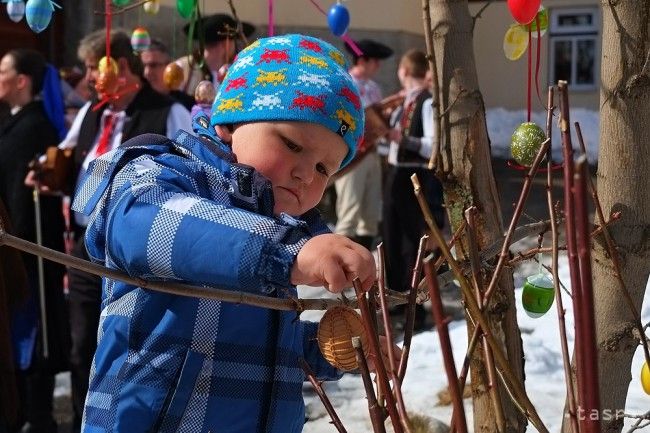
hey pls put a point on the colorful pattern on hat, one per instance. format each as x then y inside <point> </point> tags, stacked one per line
<point>292,78</point>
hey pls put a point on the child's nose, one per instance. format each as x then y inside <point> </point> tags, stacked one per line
<point>303,173</point>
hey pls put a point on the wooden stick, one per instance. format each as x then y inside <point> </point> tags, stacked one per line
<point>511,379</point>
<point>375,351</point>
<point>318,387</point>
<point>561,312</point>
<point>374,409</point>
<point>458,417</point>
<point>435,91</point>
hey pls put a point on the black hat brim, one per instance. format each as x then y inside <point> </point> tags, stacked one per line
<point>214,28</point>
<point>371,49</point>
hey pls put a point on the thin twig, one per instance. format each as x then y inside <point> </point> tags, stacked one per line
<point>435,84</point>
<point>240,26</point>
<point>375,351</point>
<point>374,409</point>
<point>473,309</point>
<point>318,387</point>
<point>458,417</point>
<point>478,14</point>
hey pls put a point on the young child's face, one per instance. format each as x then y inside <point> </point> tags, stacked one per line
<point>296,157</point>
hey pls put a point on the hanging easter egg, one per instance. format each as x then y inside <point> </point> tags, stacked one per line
<point>645,378</point>
<point>526,141</point>
<point>542,18</point>
<point>152,7</point>
<point>338,19</point>
<point>121,2</point>
<point>185,7</point>
<point>16,10</point>
<point>205,93</point>
<point>140,39</point>
<point>524,11</point>
<point>538,295</point>
<point>107,84</point>
<point>335,331</point>
<point>173,76</point>
<point>38,14</point>
<point>515,42</point>
<point>106,63</point>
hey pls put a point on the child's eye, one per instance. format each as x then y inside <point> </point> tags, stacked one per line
<point>291,145</point>
<point>322,169</point>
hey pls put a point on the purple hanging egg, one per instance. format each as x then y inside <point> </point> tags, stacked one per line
<point>38,14</point>
<point>16,10</point>
<point>338,19</point>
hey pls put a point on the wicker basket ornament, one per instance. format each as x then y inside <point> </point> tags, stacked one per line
<point>335,331</point>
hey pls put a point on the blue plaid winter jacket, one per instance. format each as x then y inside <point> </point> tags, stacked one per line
<point>184,210</point>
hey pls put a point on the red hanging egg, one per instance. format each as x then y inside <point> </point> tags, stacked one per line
<point>524,11</point>
<point>107,84</point>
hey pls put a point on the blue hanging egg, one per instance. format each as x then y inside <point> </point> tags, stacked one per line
<point>538,295</point>
<point>38,14</point>
<point>338,19</point>
<point>16,10</point>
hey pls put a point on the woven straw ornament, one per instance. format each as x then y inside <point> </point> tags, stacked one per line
<point>335,331</point>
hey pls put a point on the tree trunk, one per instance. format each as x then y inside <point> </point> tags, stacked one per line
<point>468,180</point>
<point>623,185</point>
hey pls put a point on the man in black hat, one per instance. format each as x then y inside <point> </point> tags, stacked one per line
<point>219,32</point>
<point>358,190</point>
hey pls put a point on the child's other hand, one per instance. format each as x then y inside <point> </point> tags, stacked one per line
<point>333,261</point>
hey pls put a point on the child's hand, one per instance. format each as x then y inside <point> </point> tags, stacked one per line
<point>384,345</point>
<point>333,261</point>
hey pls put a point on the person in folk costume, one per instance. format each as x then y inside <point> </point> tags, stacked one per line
<point>220,36</point>
<point>32,89</point>
<point>358,189</point>
<point>137,110</point>
<point>409,152</point>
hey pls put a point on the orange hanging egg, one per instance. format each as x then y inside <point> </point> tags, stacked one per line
<point>173,76</point>
<point>335,331</point>
<point>107,84</point>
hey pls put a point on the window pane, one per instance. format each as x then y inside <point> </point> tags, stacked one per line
<point>586,61</point>
<point>573,20</point>
<point>562,61</point>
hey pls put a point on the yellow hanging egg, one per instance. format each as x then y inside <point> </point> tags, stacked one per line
<point>335,331</point>
<point>107,62</point>
<point>173,76</point>
<point>645,378</point>
<point>515,42</point>
<point>151,7</point>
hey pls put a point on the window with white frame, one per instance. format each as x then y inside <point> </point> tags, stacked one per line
<point>573,38</point>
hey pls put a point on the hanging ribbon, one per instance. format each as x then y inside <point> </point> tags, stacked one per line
<point>271,25</point>
<point>529,75</point>
<point>345,38</point>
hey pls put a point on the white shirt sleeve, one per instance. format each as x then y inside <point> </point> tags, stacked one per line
<point>427,127</point>
<point>72,137</point>
<point>178,118</point>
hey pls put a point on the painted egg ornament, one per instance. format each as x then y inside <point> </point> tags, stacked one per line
<point>205,93</point>
<point>38,14</point>
<point>542,17</point>
<point>645,378</point>
<point>538,295</point>
<point>515,42</point>
<point>338,19</point>
<point>222,72</point>
<point>185,7</point>
<point>524,11</point>
<point>107,84</point>
<point>173,76</point>
<point>335,331</point>
<point>121,2</point>
<point>140,39</point>
<point>526,141</point>
<point>16,10</point>
<point>151,7</point>
<point>106,63</point>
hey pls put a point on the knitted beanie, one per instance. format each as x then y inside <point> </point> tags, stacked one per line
<point>292,78</point>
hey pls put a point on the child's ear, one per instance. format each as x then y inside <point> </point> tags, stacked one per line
<point>224,133</point>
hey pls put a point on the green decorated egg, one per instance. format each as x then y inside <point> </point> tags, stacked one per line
<point>526,141</point>
<point>538,295</point>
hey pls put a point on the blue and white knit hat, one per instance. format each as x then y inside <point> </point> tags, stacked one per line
<point>292,78</point>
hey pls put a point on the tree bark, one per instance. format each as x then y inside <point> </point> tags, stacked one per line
<point>467,178</point>
<point>623,185</point>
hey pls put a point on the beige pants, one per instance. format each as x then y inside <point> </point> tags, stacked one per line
<point>358,198</point>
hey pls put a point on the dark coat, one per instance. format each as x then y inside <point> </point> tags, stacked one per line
<point>22,137</point>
